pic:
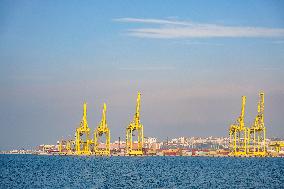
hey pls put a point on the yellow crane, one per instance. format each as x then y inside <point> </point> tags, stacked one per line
<point>69,146</point>
<point>135,125</point>
<point>64,147</point>
<point>82,140</point>
<point>257,132</point>
<point>60,147</point>
<point>277,145</point>
<point>238,134</point>
<point>99,132</point>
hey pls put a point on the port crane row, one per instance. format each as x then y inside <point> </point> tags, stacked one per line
<point>251,141</point>
<point>244,141</point>
<point>85,145</point>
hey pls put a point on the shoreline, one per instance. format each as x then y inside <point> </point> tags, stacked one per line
<point>75,155</point>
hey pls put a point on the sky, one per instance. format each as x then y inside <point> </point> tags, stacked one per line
<point>191,60</point>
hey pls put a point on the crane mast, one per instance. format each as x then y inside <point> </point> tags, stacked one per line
<point>260,110</point>
<point>241,119</point>
<point>84,119</point>
<point>137,114</point>
<point>103,122</point>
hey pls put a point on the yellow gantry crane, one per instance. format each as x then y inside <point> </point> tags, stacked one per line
<point>277,145</point>
<point>82,141</point>
<point>69,146</point>
<point>257,132</point>
<point>249,141</point>
<point>238,134</point>
<point>60,147</point>
<point>64,147</point>
<point>101,130</point>
<point>135,125</point>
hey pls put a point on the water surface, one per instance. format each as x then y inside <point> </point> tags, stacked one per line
<point>31,171</point>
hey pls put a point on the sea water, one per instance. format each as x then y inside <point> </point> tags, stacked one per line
<point>32,171</point>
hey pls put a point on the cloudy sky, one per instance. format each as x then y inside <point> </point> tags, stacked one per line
<point>191,60</point>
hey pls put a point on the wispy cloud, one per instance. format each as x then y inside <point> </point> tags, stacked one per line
<point>152,21</point>
<point>148,68</point>
<point>163,28</point>
<point>185,42</point>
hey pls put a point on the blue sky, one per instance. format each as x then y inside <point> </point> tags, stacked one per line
<point>192,62</point>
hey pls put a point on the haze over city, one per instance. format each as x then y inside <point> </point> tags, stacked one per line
<point>191,62</point>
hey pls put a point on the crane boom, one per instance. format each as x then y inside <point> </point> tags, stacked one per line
<point>137,114</point>
<point>135,125</point>
<point>84,119</point>
<point>83,146</point>
<point>241,118</point>
<point>103,123</point>
<point>260,107</point>
<point>101,130</point>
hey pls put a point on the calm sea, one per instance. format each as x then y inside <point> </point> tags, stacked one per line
<point>31,171</point>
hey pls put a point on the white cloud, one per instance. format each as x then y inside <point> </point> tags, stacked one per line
<point>191,42</point>
<point>148,68</point>
<point>152,21</point>
<point>163,28</point>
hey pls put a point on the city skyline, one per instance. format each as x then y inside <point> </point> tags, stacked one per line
<point>192,63</point>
